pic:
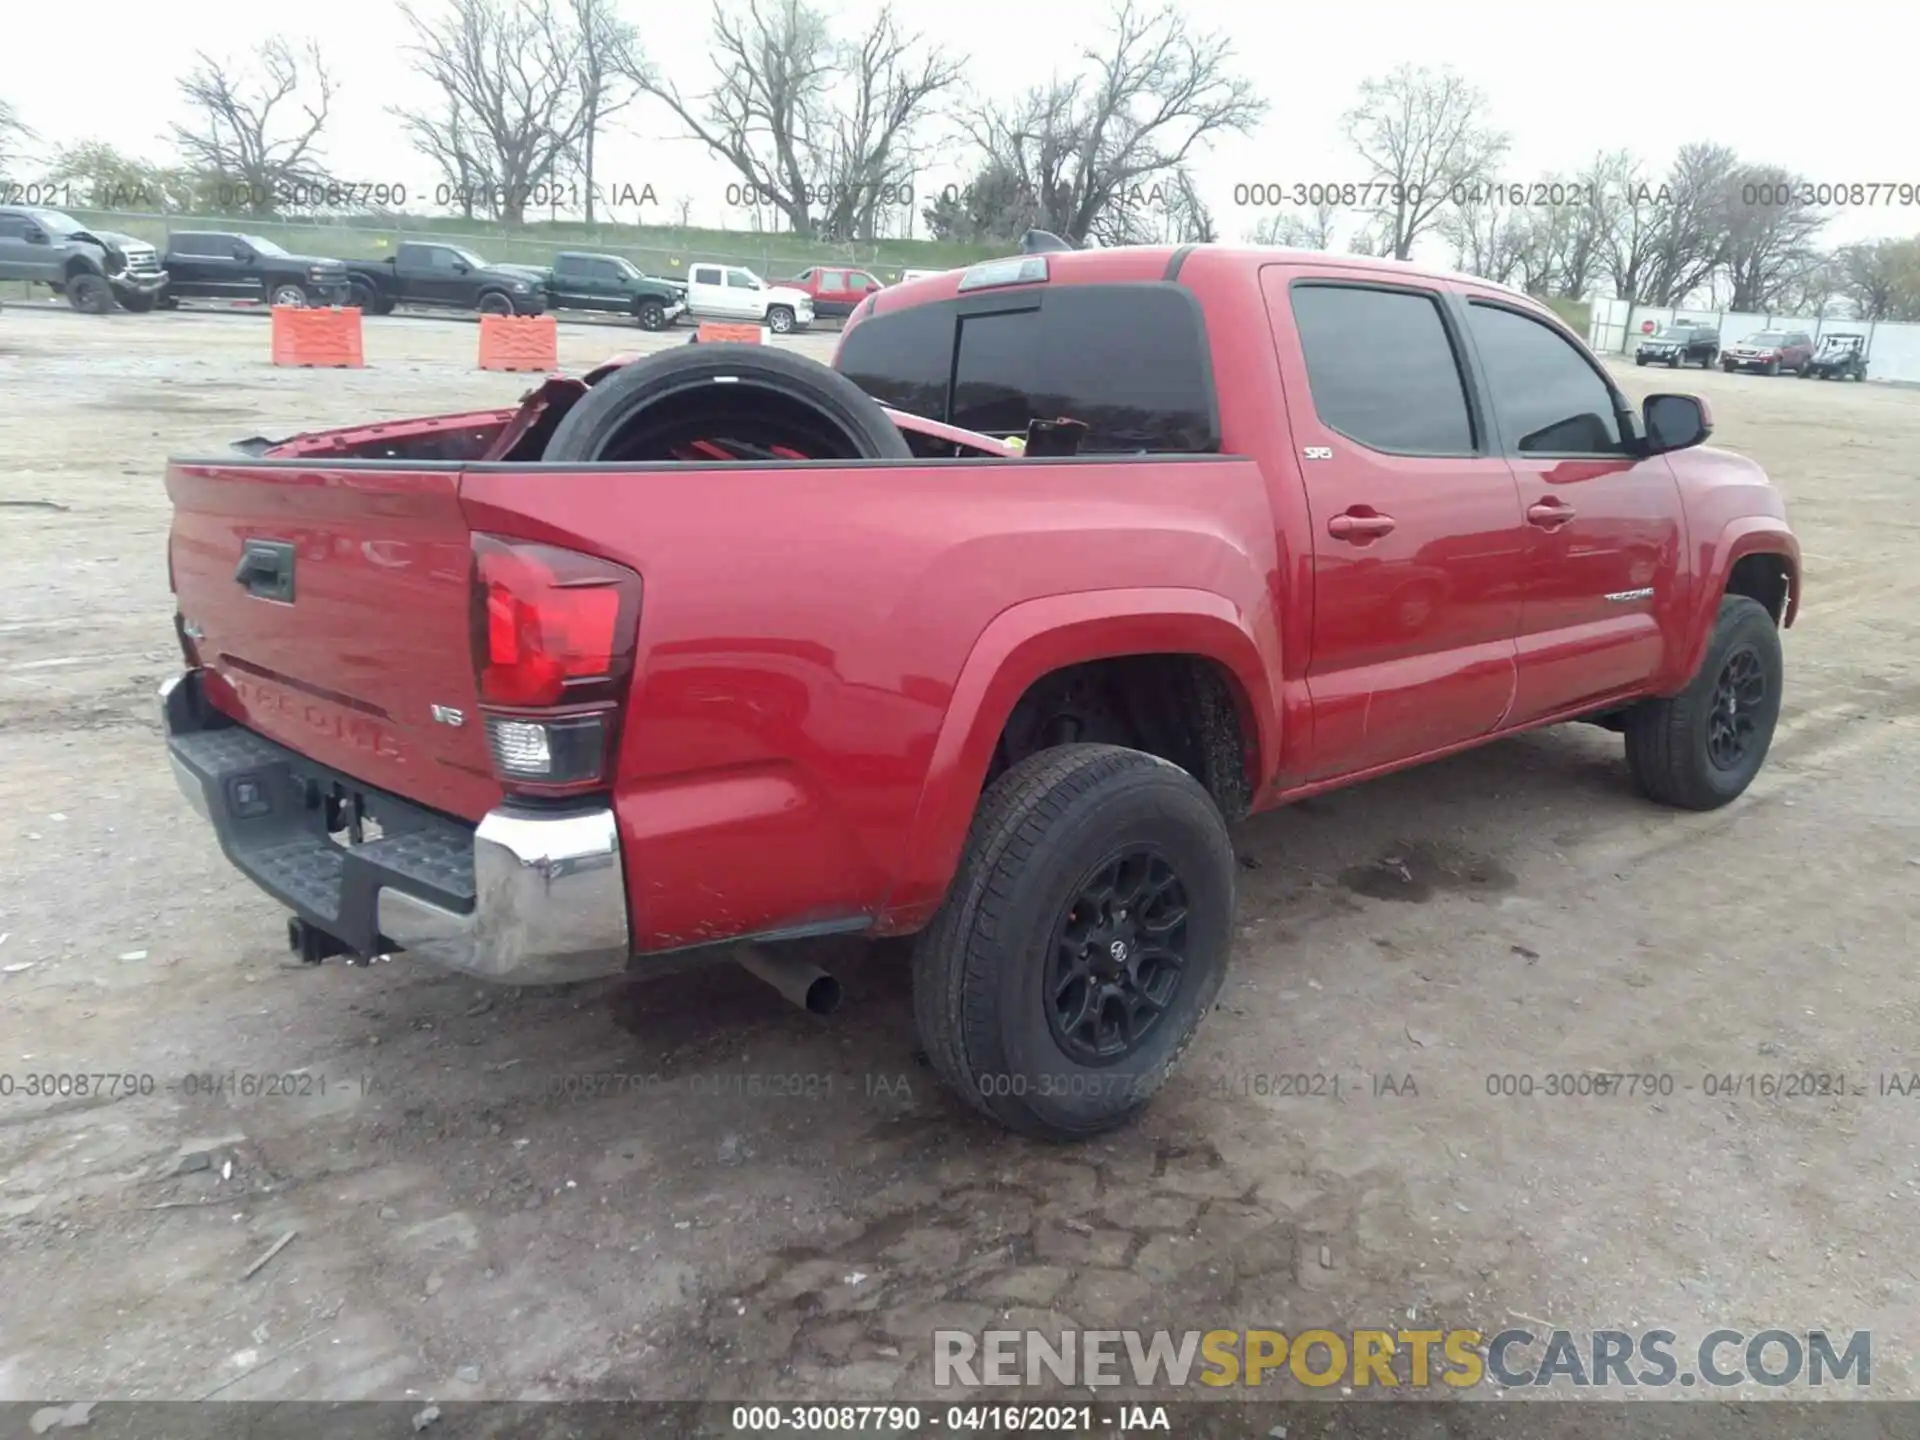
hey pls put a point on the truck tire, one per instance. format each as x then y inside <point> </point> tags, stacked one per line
<point>289,295</point>
<point>90,294</point>
<point>651,314</point>
<point>495,302</point>
<point>1021,983</point>
<point>780,320</point>
<point>748,396</point>
<point>1700,749</point>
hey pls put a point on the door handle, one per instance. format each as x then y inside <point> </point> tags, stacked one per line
<point>1359,525</point>
<point>1549,514</point>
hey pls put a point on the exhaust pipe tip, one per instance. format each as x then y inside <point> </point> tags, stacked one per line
<point>823,995</point>
<point>801,981</point>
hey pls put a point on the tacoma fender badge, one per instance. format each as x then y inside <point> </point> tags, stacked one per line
<point>1622,597</point>
<point>447,715</point>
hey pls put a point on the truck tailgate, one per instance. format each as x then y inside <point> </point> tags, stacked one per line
<point>333,612</point>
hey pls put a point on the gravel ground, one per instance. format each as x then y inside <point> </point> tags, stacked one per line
<point>466,1225</point>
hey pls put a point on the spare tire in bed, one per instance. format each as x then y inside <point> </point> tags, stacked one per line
<point>725,402</point>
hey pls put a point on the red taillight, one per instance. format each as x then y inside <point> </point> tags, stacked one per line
<point>554,632</point>
<point>557,626</point>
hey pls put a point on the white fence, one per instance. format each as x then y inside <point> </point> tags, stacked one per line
<point>1893,348</point>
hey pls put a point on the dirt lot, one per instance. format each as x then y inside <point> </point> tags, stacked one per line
<point>467,1227</point>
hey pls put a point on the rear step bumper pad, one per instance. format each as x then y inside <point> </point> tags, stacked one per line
<point>526,897</point>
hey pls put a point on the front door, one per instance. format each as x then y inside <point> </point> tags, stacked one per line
<point>1416,526</point>
<point>832,300</point>
<point>1603,529</point>
<point>707,291</point>
<point>742,296</point>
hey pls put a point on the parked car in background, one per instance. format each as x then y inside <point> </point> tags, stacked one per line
<point>93,269</point>
<point>1770,351</point>
<point>728,292</point>
<point>1681,343</point>
<point>1840,357</point>
<point>613,284</point>
<point>225,265</point>
<point>444,277</point>
<point>835,289</point>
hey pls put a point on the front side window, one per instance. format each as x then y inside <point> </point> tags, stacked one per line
<point>1547,396</point>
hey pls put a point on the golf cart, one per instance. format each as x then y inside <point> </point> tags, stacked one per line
<point>1840,357</point>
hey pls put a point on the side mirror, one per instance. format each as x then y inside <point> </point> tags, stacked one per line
<point>1675,422</point>
<point>36,237</point>
<point>241,252</point>
<point>460,267</point>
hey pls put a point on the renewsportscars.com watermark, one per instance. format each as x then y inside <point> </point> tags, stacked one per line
<point>1402,1358</point>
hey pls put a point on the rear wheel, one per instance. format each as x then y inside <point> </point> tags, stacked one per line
<point>90,294</point>
<point>1700,749</point>
<point>1086,935</point>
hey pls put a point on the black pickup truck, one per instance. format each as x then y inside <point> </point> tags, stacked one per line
<point>1680,343</point>
<point>612,285</point>
<point>221,265</point>
<point>443,277</point>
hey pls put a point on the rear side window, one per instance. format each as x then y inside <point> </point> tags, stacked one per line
<point>1129,361</point>
<point>1548,397</point>
<point>1382,369</point>
<point>202,245</point>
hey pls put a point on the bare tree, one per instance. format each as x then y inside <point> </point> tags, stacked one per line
<point>1489,237</point>
<point>13,134</point>
<point>258,133</point>
<point>683,212</point>
<point>820,130</point>
<point>1768,235</point>
<point>1629,218</point>
<point>1301,229</point>
<point>110,179</point>
<point>1425,140</point>
<point>512,104</point>
<point>1152,97</point>
<point>1881,278</point>
<point>609,54</point>
<point>1688,242</point>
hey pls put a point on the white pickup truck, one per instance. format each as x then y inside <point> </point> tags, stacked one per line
<point>727,292</point>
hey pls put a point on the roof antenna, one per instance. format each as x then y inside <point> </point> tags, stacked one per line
<point>1042,242</point>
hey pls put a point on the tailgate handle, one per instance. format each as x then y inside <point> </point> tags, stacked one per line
<point>266,570</point>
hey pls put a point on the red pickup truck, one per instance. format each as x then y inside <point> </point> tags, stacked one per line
<point>723,645</point>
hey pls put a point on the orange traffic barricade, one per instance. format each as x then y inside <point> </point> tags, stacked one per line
<point>712,333</point>
<point>329,337</point>
<point>519,342</point>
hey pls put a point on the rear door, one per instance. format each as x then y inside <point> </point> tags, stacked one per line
<point>1603,533</point>
<point>25,257</point>
<point>1417,535</point>
<point>188,270</point>
<point>706,291</point>
<point>572,283</point>
<point>306,638</point>
<point>831,297</point>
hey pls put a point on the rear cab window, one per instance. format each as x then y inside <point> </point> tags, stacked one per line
<point>1381,367</point>
<point>1130,361</point>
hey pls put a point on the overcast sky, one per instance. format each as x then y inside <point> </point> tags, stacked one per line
<point>1566,81</point>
